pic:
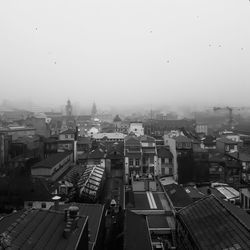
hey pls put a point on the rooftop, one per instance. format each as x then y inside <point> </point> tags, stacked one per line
<point>146,138</point>
<point>52,160</point>
<point>132,141</point>
<point>34,230</point>
<point>215,225</point>
<point>84,140</point>
<point>68,132</point>
<point>178,195</point>
<point>160,221</point>
<point>101,136</point>
<point>226,140</point>
<point>94,212</point>
<point>96,154</point>
<point>136,233</point>
<point>242,156</point>
<point>164,152</point>
<point>182,138</point>
<point>146,201</point>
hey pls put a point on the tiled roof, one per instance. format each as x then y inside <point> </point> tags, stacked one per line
<point>182,138</point>
<point>40,229</point>
<point>226,140</point>
<point>164,152</point>
<point>115,136</point>
<point>95,215</point>
<point>67,132</point>
<point>148,150</point>
<point>51,160</point>
<point>242,156</point>
<point>133,154</point>
<point>7,220</point>
<point>84,140</point>
<point>83,156</point>
<point>177,195</point>
<point>146,138</point>
<point>136,233</point>
<point>132,141</point>
<point>96,154</point>
<point>213,225</point>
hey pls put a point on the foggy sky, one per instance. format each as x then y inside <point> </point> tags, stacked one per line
<point>125,52</point>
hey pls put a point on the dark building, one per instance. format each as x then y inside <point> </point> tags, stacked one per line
<point>68,108</point>
<point>186,166</point>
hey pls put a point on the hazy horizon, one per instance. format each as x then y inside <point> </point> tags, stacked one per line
<point>125,53</point>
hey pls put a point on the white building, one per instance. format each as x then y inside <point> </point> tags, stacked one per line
<point>136,128</point>
<point>115,137</point>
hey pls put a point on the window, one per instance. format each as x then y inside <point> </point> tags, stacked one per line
<point>170,171</point>
<point>137,162</point>
<point>131,163</point>
<point>151,160</point>
<point>43,205</point>
<point>66,136</point>
<point>30,204</point>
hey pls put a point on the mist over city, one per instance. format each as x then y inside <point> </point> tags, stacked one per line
<point>125,125</point>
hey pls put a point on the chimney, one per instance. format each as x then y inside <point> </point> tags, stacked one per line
<point>71,217</point>
<point>56,201</point>
<point>66,215</point>
<point>73,212</point>
<point>66,233</point>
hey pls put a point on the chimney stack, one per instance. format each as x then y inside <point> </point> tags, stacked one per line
<point>70,217</point>
<point>73,212</point>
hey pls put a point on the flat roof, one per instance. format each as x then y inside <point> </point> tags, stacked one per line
<point>146,201</point>
<point>160,221</point>
<point>136,233</point>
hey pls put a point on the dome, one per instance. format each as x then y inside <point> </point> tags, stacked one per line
<point>117,119</point>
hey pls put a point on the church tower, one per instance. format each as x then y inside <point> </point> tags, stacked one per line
<point>68,108</point>
<point>94,110</point>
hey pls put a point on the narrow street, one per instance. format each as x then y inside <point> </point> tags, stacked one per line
<point>113,189</point>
